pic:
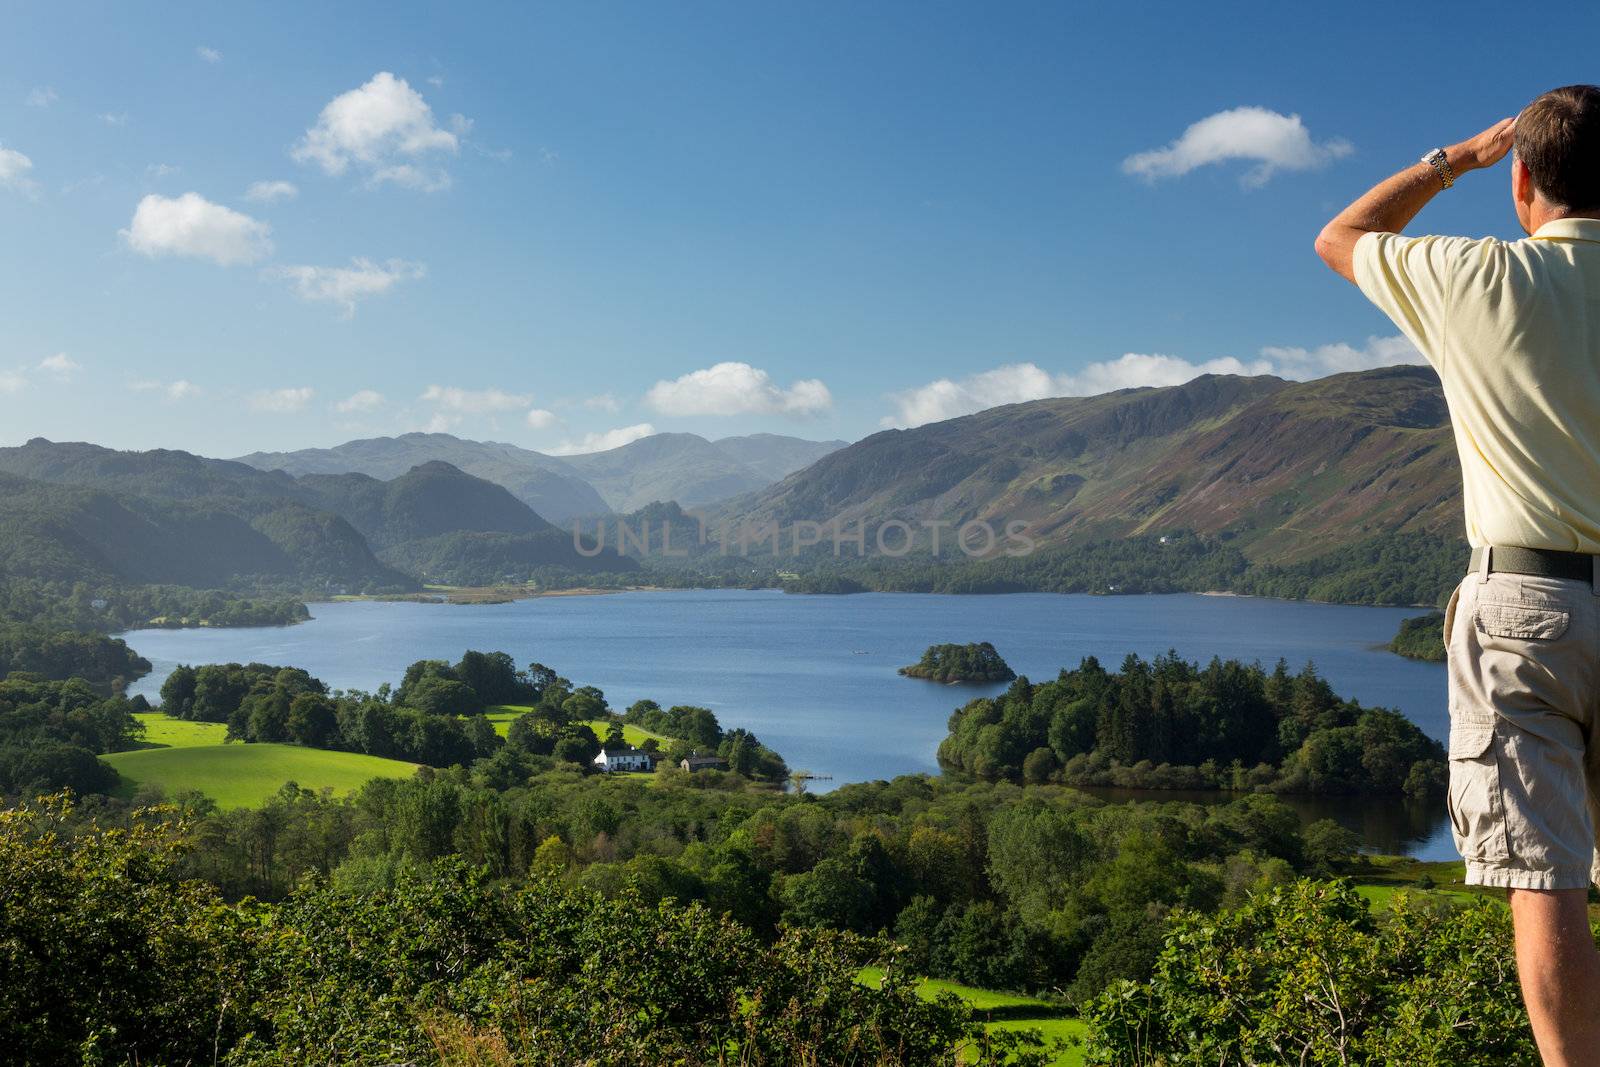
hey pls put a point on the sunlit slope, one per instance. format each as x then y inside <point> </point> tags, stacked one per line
<point>191,755</point>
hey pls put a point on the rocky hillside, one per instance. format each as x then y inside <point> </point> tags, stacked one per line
<point>1283,469</point>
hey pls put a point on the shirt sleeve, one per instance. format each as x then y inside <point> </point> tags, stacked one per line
<point>1410,280</point>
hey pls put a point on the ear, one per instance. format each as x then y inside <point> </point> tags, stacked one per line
<point>1521,182</point>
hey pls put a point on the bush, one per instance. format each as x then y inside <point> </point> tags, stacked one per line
<point>1308,974</point>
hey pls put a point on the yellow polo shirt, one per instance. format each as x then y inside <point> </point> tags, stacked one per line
<point>1513,328</point>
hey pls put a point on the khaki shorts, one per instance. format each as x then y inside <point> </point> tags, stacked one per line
<point>1524,773</point>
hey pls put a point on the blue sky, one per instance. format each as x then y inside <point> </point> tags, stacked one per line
<point>558,224</point>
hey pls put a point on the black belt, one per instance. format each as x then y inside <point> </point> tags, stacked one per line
<point>1543,562</point>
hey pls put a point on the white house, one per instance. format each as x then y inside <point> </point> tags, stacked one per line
<point>624,758</point>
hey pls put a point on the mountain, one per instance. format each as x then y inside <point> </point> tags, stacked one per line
<point>542,482</point>
<point>160,472</point>
<point>77,533</point>
<point>130,514</point>
<point>445,525</point>
<point>430,499</point>
<point>680,467</point>
<point>1284,470</point>
<point>774,456</point>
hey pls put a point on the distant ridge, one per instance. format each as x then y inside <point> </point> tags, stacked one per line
<point>680,467</point>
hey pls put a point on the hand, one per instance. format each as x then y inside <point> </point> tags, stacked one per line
<point>1484,150</point>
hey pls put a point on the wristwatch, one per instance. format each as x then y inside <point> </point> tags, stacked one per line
<point>1436,159</point>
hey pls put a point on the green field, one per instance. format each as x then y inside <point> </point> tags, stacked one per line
<point>1017,1012</point>
<point>163,731</point>
<point>1379,878</point>
<point>181,755</point>
<point>501,715</point>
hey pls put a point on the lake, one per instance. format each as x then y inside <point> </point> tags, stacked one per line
<point>815,676</point>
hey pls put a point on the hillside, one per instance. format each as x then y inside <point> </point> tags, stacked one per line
<point>683,467</point>
<point>775,456</point>
<point>542,482</point>
<point>77,533</point>
<point>172,517</point>
<point>1283,470</point>
<point>430,499</point>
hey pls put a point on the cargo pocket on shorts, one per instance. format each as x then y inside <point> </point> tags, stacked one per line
<point>1477,809</point>
<point>1529,622</point>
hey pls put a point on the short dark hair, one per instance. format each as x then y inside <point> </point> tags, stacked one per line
<point>1558,139</point>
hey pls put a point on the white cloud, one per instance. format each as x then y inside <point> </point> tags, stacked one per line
<point>540,419</point>
<point>600,442</point>
<point>1274,141</point>
<point>362,400</point>
<point>14,170</point>
<point>436,80</point>
<point>114,118</point>
<point>62,366</point>
<point>1302,363</point>
<point>190,225</point>
<point>410,176</point>
<point>1016,383</point>
<point>603,402</point>
<point>210,55</point>
<point>384,127</point>
<point>41,96</point>
<point>12,382</point>
<point>282,401</point>
<point>474,401</point>
<point>161,170</point>
<point>268,192</point>
<point>737,389</point>
<point>346,285</point>
<point>181,389</point>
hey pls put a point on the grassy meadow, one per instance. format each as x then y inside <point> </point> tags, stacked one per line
<point>180,755</point>
<point>1006,1011</point>
<point>502,715</point>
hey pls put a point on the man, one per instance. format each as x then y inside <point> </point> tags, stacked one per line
<point>1513,328</point>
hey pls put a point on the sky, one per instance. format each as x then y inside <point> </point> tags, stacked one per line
<point>232,227</point>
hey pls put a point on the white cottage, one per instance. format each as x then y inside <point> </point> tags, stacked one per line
<point>624,758</point>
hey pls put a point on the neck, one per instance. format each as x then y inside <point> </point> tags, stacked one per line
<point>1541,213</point>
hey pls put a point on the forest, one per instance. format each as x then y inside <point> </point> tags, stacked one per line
<point>1172,724</point>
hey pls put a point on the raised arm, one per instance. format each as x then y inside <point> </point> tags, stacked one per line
<point>1395,201</point>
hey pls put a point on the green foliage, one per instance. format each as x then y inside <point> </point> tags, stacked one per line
<point>100,608</point>
<point>977,662</point>
<point>52,731</point>
<point>1421,638</point>
<point>111,957</point>
<point>1309,974</point>
<point>1232,726</point>
<point>108,956</point>
<point>104,662</point>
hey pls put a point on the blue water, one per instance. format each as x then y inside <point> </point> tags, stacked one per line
<point>814,676</point>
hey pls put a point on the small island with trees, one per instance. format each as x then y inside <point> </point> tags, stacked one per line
<point>974,663</point>
<point>1421,638</point>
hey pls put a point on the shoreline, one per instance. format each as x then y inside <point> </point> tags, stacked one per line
<point>484,594</point>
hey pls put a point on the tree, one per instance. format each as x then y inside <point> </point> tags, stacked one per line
<point>311,721</point>
<point>576,743</point>
<point>494,677</point>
